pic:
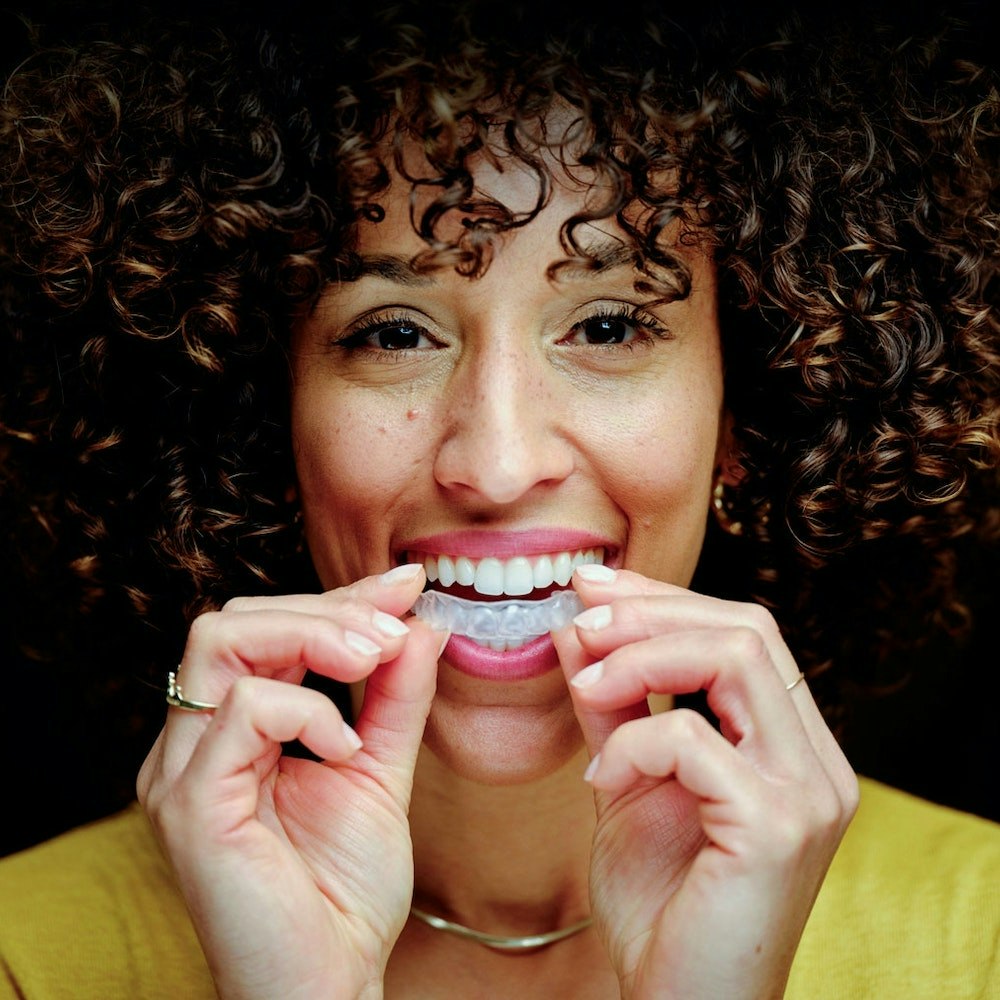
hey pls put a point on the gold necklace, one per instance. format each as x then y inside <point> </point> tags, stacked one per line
<point>498,941</point>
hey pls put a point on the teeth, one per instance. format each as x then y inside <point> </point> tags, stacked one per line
<point>489,577</point>
<point>513,577</point>
<point>465,571</point>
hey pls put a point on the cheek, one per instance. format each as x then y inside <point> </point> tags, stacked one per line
<point>659,474</point>
<point>355,459</point>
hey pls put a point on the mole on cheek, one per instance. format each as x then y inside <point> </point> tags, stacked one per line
<point>412,414</point>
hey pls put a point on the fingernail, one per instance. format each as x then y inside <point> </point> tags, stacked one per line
<point>594,618</point>
<point>402,574</point>
<point>361,643</point>
<point>592,767</point>
<point>389,625</point>
<point>444,642</point>
<point>353,740</point>
<point>595,573</point>
<point>589,676</point>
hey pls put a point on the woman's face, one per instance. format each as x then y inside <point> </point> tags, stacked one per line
<point>494,425</point>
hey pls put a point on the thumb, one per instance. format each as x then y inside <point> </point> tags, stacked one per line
<point>596,725</point>
<point>397,699</point>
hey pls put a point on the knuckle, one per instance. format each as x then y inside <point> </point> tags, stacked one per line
<point>204,628</point>
<point>243,694</point>
<point>758,618</point>
<point>241,604</point>
<point>687,724</point>
<point>748,645</point>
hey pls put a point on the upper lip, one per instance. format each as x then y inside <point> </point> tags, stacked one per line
<point>479,544</point>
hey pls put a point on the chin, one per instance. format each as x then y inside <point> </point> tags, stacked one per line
<point>502,745</point>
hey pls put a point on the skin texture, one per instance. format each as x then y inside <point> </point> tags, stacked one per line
<point>698,852</point>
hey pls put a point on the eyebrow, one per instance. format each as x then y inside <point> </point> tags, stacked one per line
<point>391,267</point>
<point>602,256</point>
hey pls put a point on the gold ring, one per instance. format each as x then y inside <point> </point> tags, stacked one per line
<point>176,699</point>
<point>798,680</point>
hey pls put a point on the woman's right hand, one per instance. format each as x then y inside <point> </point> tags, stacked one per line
<point>297,873</point>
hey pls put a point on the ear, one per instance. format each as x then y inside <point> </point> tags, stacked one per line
<point>728,468</point>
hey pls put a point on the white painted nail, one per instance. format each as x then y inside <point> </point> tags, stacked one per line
<point>592,767</point>
<point>402,574</point>
<point>353,740</point>
<point>595,573</point>
<point>589,676</point>
<point>594,618</point>
<point>361,643</point>
<point>389,625</point>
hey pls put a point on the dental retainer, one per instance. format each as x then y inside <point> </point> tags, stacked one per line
<point>513,619</point>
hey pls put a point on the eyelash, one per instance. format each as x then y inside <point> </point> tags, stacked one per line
<point>646,326</point>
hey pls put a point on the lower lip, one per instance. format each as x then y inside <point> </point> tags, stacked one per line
<point>530,660</point>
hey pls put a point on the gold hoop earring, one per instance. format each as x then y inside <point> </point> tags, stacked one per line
<point>723,509</point>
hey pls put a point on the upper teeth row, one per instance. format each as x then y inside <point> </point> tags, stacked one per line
<point>514,577</point>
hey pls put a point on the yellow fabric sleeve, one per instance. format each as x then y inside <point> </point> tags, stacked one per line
<point>95,915</point>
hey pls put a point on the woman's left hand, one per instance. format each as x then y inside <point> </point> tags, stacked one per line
<point>710,846</point>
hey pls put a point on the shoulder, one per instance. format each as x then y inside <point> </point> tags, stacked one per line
<point>910,907</point>
<point>95,913</point>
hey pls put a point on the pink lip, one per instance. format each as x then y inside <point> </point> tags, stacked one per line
<point>530,660</point>
<point>505,544</point>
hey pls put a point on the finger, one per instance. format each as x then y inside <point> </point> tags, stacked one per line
<point>397,700</point>
<point>392,592</point>
<point>641,608</point>
<point>223,647</point>
<point>739,808</point>
<point>596,723</point>
<point>280,644</point>
<point>680,744</point>
<point>598,584</point>
<point>257,715</point>
<point>733,665</point>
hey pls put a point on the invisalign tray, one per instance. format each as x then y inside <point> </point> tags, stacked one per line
<point>515,619</point>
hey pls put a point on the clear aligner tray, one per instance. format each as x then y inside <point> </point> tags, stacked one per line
<point>512,619</point>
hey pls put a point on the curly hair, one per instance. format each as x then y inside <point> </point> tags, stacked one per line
<point>174,196</point>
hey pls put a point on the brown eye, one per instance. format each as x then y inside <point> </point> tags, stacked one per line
<point>397,337</point>
<point>606,330</point>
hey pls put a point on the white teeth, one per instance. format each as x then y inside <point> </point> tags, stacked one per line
<point>562,568</point>
<point>465,571</point>
<point>542,572</point>
<point>515,577</point>
<point>518,579</point>
<point>446,571</point>
<point>501,645</point>
<point>489,577</point>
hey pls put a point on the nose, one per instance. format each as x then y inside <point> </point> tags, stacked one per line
<point>504,435</point>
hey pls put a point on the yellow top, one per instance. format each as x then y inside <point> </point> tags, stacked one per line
<point>909,910</point>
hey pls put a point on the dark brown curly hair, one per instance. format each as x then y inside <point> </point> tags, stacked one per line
<point>173,195</point>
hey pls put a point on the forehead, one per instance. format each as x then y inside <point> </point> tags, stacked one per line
<point>562,209</point>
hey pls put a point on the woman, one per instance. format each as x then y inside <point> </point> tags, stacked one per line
<point>470,304</point>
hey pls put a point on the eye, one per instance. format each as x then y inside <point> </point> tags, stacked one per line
<point>388,335</point>
<point>618,326</point>
<point>604,330</point>
<point>397,337</point>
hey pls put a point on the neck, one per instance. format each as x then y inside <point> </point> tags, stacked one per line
<point>508,859</point>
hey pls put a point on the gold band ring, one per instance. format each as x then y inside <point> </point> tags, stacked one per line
<point>176,699</point>
<point>798,680</point>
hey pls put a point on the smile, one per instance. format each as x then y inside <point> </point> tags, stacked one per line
<point>515,577</point>
<point>498,624</point>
